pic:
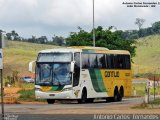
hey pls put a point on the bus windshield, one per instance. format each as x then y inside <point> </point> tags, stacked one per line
<point>54,57</point>
<point>53,74</point>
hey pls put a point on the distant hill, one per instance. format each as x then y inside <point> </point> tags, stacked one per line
<point>147,59</point>
<point>17,56</point>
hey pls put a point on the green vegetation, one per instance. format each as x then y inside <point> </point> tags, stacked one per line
<point>140,89</point>
<point>104,38</point>
<point>28,96</point>
<point>141,106</point>
<point>156,102</point>
<point>17,56</point>
<point>152,104</point>
<point>60,40</point>
<point>147,56</point>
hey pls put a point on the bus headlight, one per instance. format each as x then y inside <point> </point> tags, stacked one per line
<point>38,89</point>
<point>67,89</point>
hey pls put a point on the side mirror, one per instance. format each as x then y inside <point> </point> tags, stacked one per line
<point>72,66</point>
<point>31,66</point>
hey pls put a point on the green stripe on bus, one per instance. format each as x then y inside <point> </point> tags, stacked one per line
<point>94,80</point>
<point>97,80</point>
<point>57,88</point>
<point>100,81</point>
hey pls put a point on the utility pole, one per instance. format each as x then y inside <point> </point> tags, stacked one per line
<point>2,44</point>
<point>2,94</point>
<point>93,27</point>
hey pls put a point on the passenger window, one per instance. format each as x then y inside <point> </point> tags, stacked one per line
<point>93,61</point>
<point>85,60</point>
<point>76,74</point>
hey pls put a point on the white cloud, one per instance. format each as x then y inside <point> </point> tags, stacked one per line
<point>48,17</point>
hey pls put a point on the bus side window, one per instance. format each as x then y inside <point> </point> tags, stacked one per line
<point>111,61</point>
<point>127,60</point>
<point>108,61</point>
<point>76,74</point>
<point>93,60</point>
<point>120,62</point>
<point>101,61</point>
<point>85,61</point>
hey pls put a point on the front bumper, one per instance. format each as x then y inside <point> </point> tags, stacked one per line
<point>55,95</point>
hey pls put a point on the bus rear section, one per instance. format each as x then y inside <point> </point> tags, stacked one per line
<point>107,74</point>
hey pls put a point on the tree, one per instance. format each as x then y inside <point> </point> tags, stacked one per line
<point>156,27</point>
<point>14,35</point>
<point>104,38</point>
<point>42,39</point>
<point>9,36</point>
<point>139,22</point>
<point>81,38</point>
<point>56,40</point>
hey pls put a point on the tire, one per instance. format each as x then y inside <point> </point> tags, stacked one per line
<point>50,101</point>
<point>83,97</point>
<point>109,99</point>
<point>120,95</point>
<point>115,97</point>
<point>90,100</point>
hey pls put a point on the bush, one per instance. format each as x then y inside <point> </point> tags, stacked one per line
<point>28,96</point>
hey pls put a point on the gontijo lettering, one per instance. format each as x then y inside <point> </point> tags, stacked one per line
<point>111,73</point>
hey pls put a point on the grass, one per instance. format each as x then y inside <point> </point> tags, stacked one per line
<point>151,104</point>
<point>24,85</point>
<point>17,56</point>
<point>28,96</point>
<point>147,55</point>
<point>140,89</point>
<point>140,106</point>
<point>155,102</point>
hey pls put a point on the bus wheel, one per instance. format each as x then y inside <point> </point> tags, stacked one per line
<point>90,100</point>
<point>120,94</point>
<point>50,101</point>
<point>109,99</point>
<point>83,97</point>
<point>115,97</point>
<point>119,98</point>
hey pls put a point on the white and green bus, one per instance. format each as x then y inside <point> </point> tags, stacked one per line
<point>82,73</point>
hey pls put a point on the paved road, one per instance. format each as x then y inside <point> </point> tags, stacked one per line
<point>43,108</point>
<point>74,111</point>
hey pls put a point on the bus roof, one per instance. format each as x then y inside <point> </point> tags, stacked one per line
<point>65,49</point>
<point>85,49</point>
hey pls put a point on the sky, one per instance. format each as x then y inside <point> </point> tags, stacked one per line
<point>60,17</point>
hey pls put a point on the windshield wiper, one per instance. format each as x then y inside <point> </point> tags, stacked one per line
<point>58,83</point>
<point>44,83</point>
